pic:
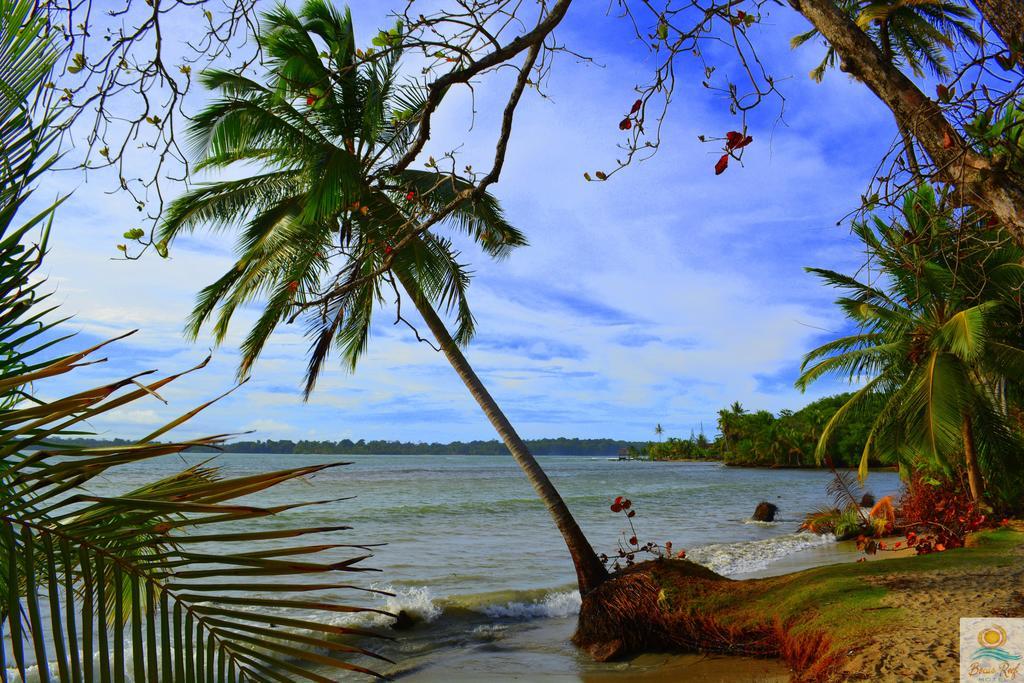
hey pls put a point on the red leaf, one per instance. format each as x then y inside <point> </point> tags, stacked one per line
<point>626,504</point>
<point>410,195</point>
<point>733,138</point>
<point>631,513</point>
<point>947,140</point>
<point>625,124</point>
<point>744,142</point>
<point>636,106</point>
<point>632,540</point>
<point>387,250</point>
<point>722,164</point>
<point>615,507</point>
<point>310,100</point>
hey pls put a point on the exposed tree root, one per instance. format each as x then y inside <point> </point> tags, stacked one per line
<point>677,605</point>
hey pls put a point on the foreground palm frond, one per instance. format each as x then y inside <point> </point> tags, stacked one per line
<point>165,582</point>
<point>81,574</point>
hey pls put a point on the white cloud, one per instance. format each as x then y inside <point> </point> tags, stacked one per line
<point>659,296</point>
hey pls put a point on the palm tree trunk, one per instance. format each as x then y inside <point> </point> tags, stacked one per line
<point>590,572</point>
<point>974,480</point>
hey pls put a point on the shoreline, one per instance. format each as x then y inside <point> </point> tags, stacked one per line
<point>893,618</point>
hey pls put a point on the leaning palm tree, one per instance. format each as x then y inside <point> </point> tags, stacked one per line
<point>938,341</point>
<point>910,33</point>
<point>328,227</point>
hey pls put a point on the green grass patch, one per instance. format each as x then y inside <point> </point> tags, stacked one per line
<point>840,601</point>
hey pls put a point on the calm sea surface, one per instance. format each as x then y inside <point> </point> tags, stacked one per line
<point>473,555</point>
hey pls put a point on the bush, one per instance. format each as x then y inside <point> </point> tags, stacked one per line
<point>938,515</point>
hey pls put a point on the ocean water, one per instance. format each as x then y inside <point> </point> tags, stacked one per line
<point>472,555</point>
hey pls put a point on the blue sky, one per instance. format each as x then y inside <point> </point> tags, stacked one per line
<point>659,296</point>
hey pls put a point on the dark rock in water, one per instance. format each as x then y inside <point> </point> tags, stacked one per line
<point>867,501</point>
<point>765,512</point>
<point>404,621</point>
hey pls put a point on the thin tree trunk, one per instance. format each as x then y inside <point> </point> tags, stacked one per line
<point>590,572</point>
<point>978,181</point>
<point>908,146</point>
<point>974,480</point>
<point>908,141</point>
<point>1006,17</point>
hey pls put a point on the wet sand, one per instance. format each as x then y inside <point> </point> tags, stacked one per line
<point>544,653</point>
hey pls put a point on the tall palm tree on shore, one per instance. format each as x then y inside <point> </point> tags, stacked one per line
<point>323,214</point>
<point>938,340</point>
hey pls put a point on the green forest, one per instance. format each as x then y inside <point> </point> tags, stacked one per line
<point>763,439</point>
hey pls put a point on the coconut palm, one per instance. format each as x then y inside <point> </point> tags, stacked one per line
<point>937,340</point>
<point>659,430</point>
<point>910,33</point>
<point>328,226</point>
<point>167,567</point>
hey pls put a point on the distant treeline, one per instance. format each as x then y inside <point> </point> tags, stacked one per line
<point>763,439</point>
<point>789,438</point>
<point>757,439</point>
<point>559,446</point>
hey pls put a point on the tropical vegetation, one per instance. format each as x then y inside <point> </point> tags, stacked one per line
<point>936,347</point>
<point>330,225</point>
<point>763,439</point>
<point>790,438</point>
<point>171,580</point>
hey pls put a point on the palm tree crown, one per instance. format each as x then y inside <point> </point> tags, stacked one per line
<point>935,338</point>
<point>911,33</point>
<point>321,217</point>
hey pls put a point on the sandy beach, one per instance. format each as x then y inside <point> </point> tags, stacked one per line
<point>922,642</point>
<point>925,647</point>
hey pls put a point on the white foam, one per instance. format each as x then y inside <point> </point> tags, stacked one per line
<point>750,556</point>
<point>31,674</point>
<point>417,601</point>
<point>551,606</point>
<point>32,671</point>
